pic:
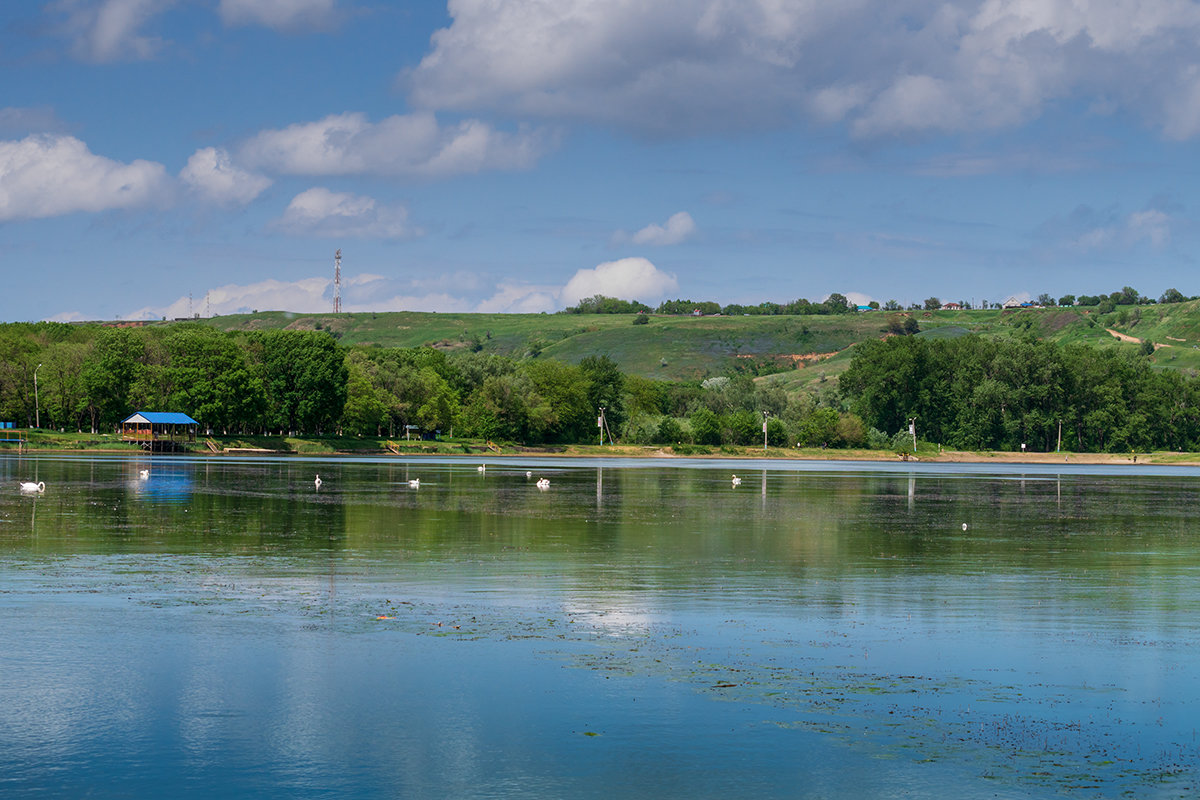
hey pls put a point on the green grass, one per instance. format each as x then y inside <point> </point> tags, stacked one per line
<point>806,352</point>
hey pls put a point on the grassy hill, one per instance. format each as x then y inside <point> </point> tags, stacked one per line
<point>803,351</point>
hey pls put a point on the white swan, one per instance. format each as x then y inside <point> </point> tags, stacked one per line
<point>528,474</point>
<point>415,483</point>
<point>30,486</point>
<point>317,483</point>
<point>481,468</point>
<point>543,483</point>
<point>144,474</point>
<point>736,480</point>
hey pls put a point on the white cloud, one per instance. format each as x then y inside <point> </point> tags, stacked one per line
<point>320,212</point>
<point>110,30</point>
<point>678,228</point>
<point>211,174</point>
<point>628,278</point>
<point>676,67</point>
<point>412,144</point>
<point>46,176</point>
<point>67,316</point>
<point>305,295</point>
<point>279,14</point>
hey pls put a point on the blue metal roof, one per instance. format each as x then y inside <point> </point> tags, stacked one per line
<point>161,418</point>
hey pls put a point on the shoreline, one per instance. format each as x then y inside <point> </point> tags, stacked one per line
<point>314,449</point>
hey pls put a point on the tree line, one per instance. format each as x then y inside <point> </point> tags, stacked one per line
<point>973,393</point>
<point>838,304</point>
<point>306,382</point>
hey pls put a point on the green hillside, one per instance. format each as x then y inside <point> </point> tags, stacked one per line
<point>793,351</point>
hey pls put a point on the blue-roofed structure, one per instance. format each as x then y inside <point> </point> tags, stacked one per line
<point>159,430</point>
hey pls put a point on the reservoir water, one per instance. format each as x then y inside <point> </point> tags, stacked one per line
<point>222,627</point>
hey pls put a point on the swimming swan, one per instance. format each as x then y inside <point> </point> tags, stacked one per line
<point>481,468</point>
<point>415,483</point>
<point>30,486</point>
<point>317,483</point>
<point>736,480</point>
<point>144,474</point>
<point>543,483</point>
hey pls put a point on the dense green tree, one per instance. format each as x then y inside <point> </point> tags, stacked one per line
<point>304,375</point>
<point>109,374</point>
<point>1172,296</point>
<point>208,376</point>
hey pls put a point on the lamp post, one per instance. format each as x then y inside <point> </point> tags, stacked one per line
<point>37,409</point>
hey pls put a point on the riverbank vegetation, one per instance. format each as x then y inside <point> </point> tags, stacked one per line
<point>974,380</point>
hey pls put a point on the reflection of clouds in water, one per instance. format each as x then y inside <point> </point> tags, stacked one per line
<point>611,616</point>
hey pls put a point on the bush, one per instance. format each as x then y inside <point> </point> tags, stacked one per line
<point>669,431</point>
<point>878,440</point>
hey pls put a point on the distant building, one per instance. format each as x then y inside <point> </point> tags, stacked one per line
<point>1012,302</point>
<point>951,306</point>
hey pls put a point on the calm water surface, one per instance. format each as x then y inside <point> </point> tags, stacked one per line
<point>639,629</point>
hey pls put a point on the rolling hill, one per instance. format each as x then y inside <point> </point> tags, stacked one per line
<point>794,351</point>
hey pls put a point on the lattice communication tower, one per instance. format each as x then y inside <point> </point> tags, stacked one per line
<point>337,282</point>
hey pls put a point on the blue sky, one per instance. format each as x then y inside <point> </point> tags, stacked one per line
<point>165,156</point>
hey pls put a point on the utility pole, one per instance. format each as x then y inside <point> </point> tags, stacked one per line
<point>1058,449</point>
<point>912,428</point>
<point>765,415</point>
<point>37,408</point>
<point>600,425</point>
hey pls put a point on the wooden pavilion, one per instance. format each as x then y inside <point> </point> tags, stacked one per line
<point>159,430</point>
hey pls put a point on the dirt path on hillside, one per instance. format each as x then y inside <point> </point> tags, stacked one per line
<point>1125,337</point>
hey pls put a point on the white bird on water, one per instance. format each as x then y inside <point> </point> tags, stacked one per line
<point>415,483</point>
<point>736,480</point>
<point>317,483</point>
<point>144,474</point>
<point>481,468</point>
<point>528,474</point>
<point>964,526</point>
<point>543,483</point>
<point>30,486</point>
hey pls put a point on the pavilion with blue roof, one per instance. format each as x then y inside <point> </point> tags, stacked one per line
<point>159,430</point>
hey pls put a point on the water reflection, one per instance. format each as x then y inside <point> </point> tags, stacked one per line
<point>219,625</point>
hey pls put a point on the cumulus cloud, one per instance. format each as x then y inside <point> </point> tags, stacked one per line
<point>630,278</point>
<point>279,14</point>
<point>47,176</point>
<point>412,144</point>
<point>110,30</point>
<point>627,278</point>
<point>211,174</point>
<point>884,69</point>
<point>676,229</point>
<point>320,212</point>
